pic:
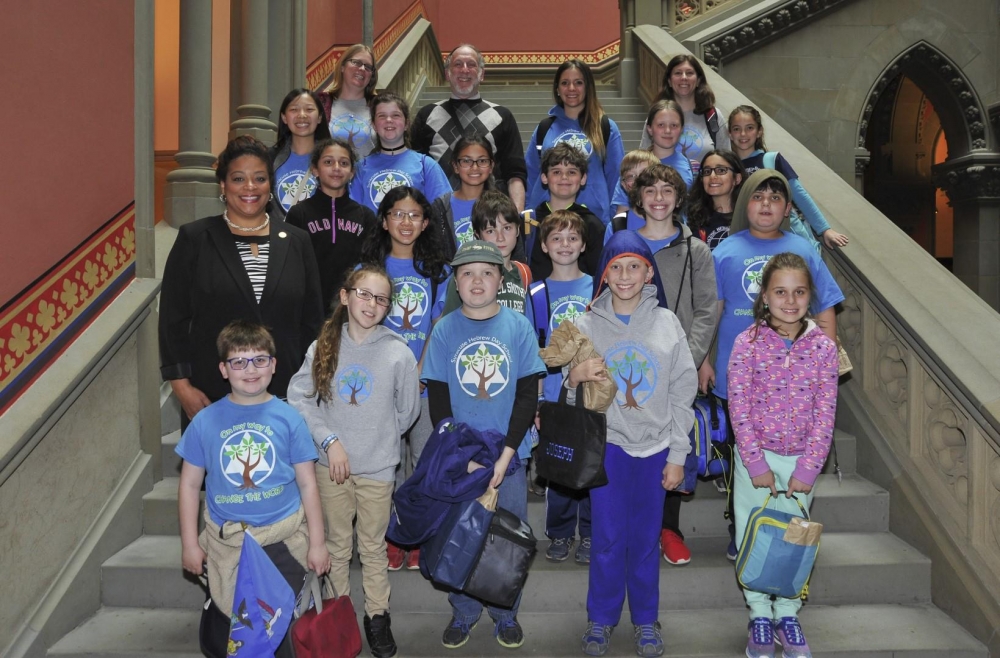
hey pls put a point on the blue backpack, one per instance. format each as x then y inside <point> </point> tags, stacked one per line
<point>709,436</point>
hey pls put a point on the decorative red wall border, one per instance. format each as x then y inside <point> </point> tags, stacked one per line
<point>38,324</point>
<point>319,74</point>
<point>592,58</point>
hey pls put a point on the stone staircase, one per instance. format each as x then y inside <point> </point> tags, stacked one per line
<point>530,103</point>
<point>869,596</point>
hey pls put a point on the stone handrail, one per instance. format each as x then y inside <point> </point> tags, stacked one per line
<point>926,361</point>
<point>414,63</point>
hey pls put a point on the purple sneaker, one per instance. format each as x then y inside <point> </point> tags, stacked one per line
<point>793,641</point>
<point>760,638</point>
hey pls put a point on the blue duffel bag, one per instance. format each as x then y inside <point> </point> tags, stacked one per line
<point>447,558</point>
<point>778,552</point>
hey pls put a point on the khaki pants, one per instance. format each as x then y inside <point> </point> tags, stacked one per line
<point>371,502</point>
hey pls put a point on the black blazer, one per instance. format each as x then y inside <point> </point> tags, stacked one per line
<point>205,287</point>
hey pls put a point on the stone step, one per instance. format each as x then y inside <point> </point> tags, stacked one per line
<point>870,631</point>
<point>171,461</point>
<point>852,568</point>
<point>854,505</point>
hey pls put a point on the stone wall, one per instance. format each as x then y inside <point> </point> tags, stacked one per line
<point>816,81</point>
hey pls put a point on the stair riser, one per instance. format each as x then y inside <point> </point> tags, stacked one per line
<point>561,588</point>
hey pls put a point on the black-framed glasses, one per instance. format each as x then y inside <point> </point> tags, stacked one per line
<point>718,171</point>
<point>241,362</point>
<point>358,64</point>
<point>400,215</point>
<point>368,295</point>
<point>482,163</point>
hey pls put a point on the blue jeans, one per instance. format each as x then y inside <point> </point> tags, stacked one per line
<point>513,497</point>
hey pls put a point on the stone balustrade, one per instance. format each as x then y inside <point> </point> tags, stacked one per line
<point>413,64</point>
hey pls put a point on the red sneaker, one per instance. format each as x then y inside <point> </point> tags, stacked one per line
<point>413,560</point>
<point>674,550</point>
<point>396,556</point>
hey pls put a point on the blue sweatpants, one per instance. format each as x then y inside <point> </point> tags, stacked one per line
<point>563,507</point>
<point>625,554</point>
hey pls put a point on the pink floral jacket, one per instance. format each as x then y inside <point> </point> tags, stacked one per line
<point>783,399</point>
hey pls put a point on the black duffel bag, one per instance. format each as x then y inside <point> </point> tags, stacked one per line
<point>499,574</point>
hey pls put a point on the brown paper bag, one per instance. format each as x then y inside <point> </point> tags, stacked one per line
<point>489,499</point>
<point>802,532</point>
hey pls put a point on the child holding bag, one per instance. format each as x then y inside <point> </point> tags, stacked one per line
<point>358,391</point>
<point>782,403</point>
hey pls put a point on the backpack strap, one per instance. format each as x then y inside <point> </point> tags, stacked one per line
<point>539,293</point>
<point>770,158</point>
<point>605,133</point>
<point>712,121</point>
<point>542,131</point>
<point>525,273</point>
<point>619,222</point>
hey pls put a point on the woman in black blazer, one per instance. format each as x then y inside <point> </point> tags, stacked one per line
<point>239,265</point>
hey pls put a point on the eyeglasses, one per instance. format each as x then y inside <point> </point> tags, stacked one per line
<point>718,171</point>
<point>368,295</point>
<point>400,215</point>
<point>482,163</point>
<point>241,363</point>
<point>358,64</point>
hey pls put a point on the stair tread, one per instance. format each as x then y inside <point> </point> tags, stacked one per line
<point>851,630</point>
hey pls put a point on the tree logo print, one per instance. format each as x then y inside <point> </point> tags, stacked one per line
<point>385,181</point>
<point>352,129</point>
<point>565,310</point>
<point>577,140</point>
<point>482,370</point>
<point>635,377</point>
<point>751,278</point>
<point>409,304</point>
<point>354,385</point>
<point>244,459</point>
<point>463,230</point>
<point>289,184</point>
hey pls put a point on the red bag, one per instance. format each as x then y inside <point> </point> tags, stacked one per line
<point>324,628</point>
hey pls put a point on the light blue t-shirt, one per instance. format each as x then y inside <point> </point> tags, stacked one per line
<point>414,305</point>
<point>567,300</point>
<point>287,180</point>
<point>461,217</point>
<point>656,245</point>
<point>481,361</point>
<point>602,175</point>
<point>249,454</point>
<point>739,262</point>
<point>677,162</point>
<point>379,173</point>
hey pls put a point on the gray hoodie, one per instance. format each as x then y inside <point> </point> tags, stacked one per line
<point>656,377</point>
<point>375,398</point>
<point>688,275</point>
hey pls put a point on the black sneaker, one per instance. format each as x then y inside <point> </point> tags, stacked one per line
<point>509,633</point>
<point>457,633</point>
<point>379,635</point>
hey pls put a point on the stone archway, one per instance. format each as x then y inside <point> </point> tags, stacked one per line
<point>962,114</point>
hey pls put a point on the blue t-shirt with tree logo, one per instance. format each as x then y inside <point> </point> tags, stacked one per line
<point>248,453</point>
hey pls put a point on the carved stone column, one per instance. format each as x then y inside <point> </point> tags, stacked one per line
<point>253,113</point>
<point>628,63</point>
<point>972,184</point>
<point>191,191</point>
<point>862,158</point>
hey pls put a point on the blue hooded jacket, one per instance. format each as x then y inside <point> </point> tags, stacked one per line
<point>627,243</point>
<point>442,478</point>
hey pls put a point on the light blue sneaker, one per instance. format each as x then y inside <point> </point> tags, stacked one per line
<point>648,641</point>
<point>760,638</point>
<point>597,639</point>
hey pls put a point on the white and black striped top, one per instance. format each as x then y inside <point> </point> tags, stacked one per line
<point>256,266</point>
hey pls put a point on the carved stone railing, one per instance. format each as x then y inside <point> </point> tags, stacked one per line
<point>414,63</point>
<point>925,390</point>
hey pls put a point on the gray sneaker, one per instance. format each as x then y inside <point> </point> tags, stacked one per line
<point>559,549</point>
<point>582,555</point>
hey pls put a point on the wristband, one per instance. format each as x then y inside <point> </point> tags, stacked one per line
<point>327,441</point>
